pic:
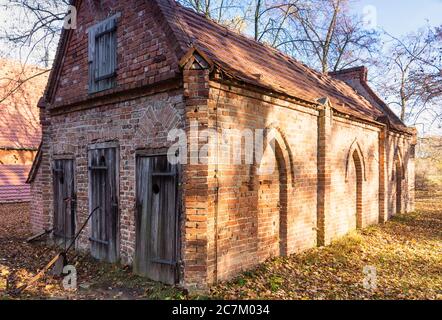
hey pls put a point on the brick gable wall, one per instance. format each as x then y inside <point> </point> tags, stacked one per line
<point>140,124</point>
<point>144,55</point>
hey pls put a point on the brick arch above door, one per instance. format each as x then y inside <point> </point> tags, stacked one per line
<point>155,125</point>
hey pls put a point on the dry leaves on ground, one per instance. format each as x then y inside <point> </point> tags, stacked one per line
<point>406,253</point>
<point>19,261</point>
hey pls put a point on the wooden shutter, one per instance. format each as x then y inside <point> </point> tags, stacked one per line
<point>157,231</point>
<point>104,194</point>
<point>64,201</point>
<point>103,55</point>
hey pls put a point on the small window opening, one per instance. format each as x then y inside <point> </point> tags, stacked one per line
<point>102,55</point>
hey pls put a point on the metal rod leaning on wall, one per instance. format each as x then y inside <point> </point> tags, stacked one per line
<point>81,230</point>
<point>56,258</point>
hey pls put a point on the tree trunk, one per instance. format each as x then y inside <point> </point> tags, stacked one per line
<point>403,99</point>
<point>328,39</point>
<point>403,106</point>
<point>257,16</point>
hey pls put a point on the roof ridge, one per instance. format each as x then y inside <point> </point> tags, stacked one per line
<point>381,102</point>
<point>275,51</point>
<point>248,38</point>
<point>242,35</point>
<point>177,30</point>
<point>214,23</point>
<point>186,28</point>
<point>56,66</point>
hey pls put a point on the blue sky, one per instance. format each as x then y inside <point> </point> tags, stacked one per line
<point>399,17</point>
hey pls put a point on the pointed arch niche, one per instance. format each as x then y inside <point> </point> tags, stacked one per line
<point>398,177</point>
<point>283,161</point>
<point>356,157</point>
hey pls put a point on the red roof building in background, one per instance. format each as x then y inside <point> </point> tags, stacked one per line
<point>20,133</point>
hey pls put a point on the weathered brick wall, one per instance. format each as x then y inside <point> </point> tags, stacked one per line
<point>142,123</point>
<point>41,186</point>
<point>38,220</point>
<point>248,217</point>
<point>249,220</point>
<point>253,212</point>
<point>198,185</point>
<point>143,51</point>
<point>345,137</point>
<point>389,144</point>
<point>400,148</point>
<point>145,57</point>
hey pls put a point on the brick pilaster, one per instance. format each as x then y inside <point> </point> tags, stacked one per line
<point>411,172</point>
<point>44,173</point>
<point>324,172</point>
<point>198,194</point>
<point>383,176</point>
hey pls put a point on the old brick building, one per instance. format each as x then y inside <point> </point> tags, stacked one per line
<point>20,132</point>
<point>132,72</point>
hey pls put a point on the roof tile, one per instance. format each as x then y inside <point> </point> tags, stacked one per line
<point>19,114</point>
<point>245,58</point>
<point>13,187</point>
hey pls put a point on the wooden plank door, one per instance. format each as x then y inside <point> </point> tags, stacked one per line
<point>103,193</point>
<point>64,201</point>
<point>157,245</point>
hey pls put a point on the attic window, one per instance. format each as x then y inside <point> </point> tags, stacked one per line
<point>103,55</point>
<point>199,63</point>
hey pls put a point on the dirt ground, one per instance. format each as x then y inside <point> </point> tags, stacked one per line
<point>20,261</point>
<point>406,254</point>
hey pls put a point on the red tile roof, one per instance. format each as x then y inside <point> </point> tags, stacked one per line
<point>19,114</point>
<point>13,187</point>
<point>251,62</point>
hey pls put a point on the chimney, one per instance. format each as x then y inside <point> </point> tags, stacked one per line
<point>357,74</point>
